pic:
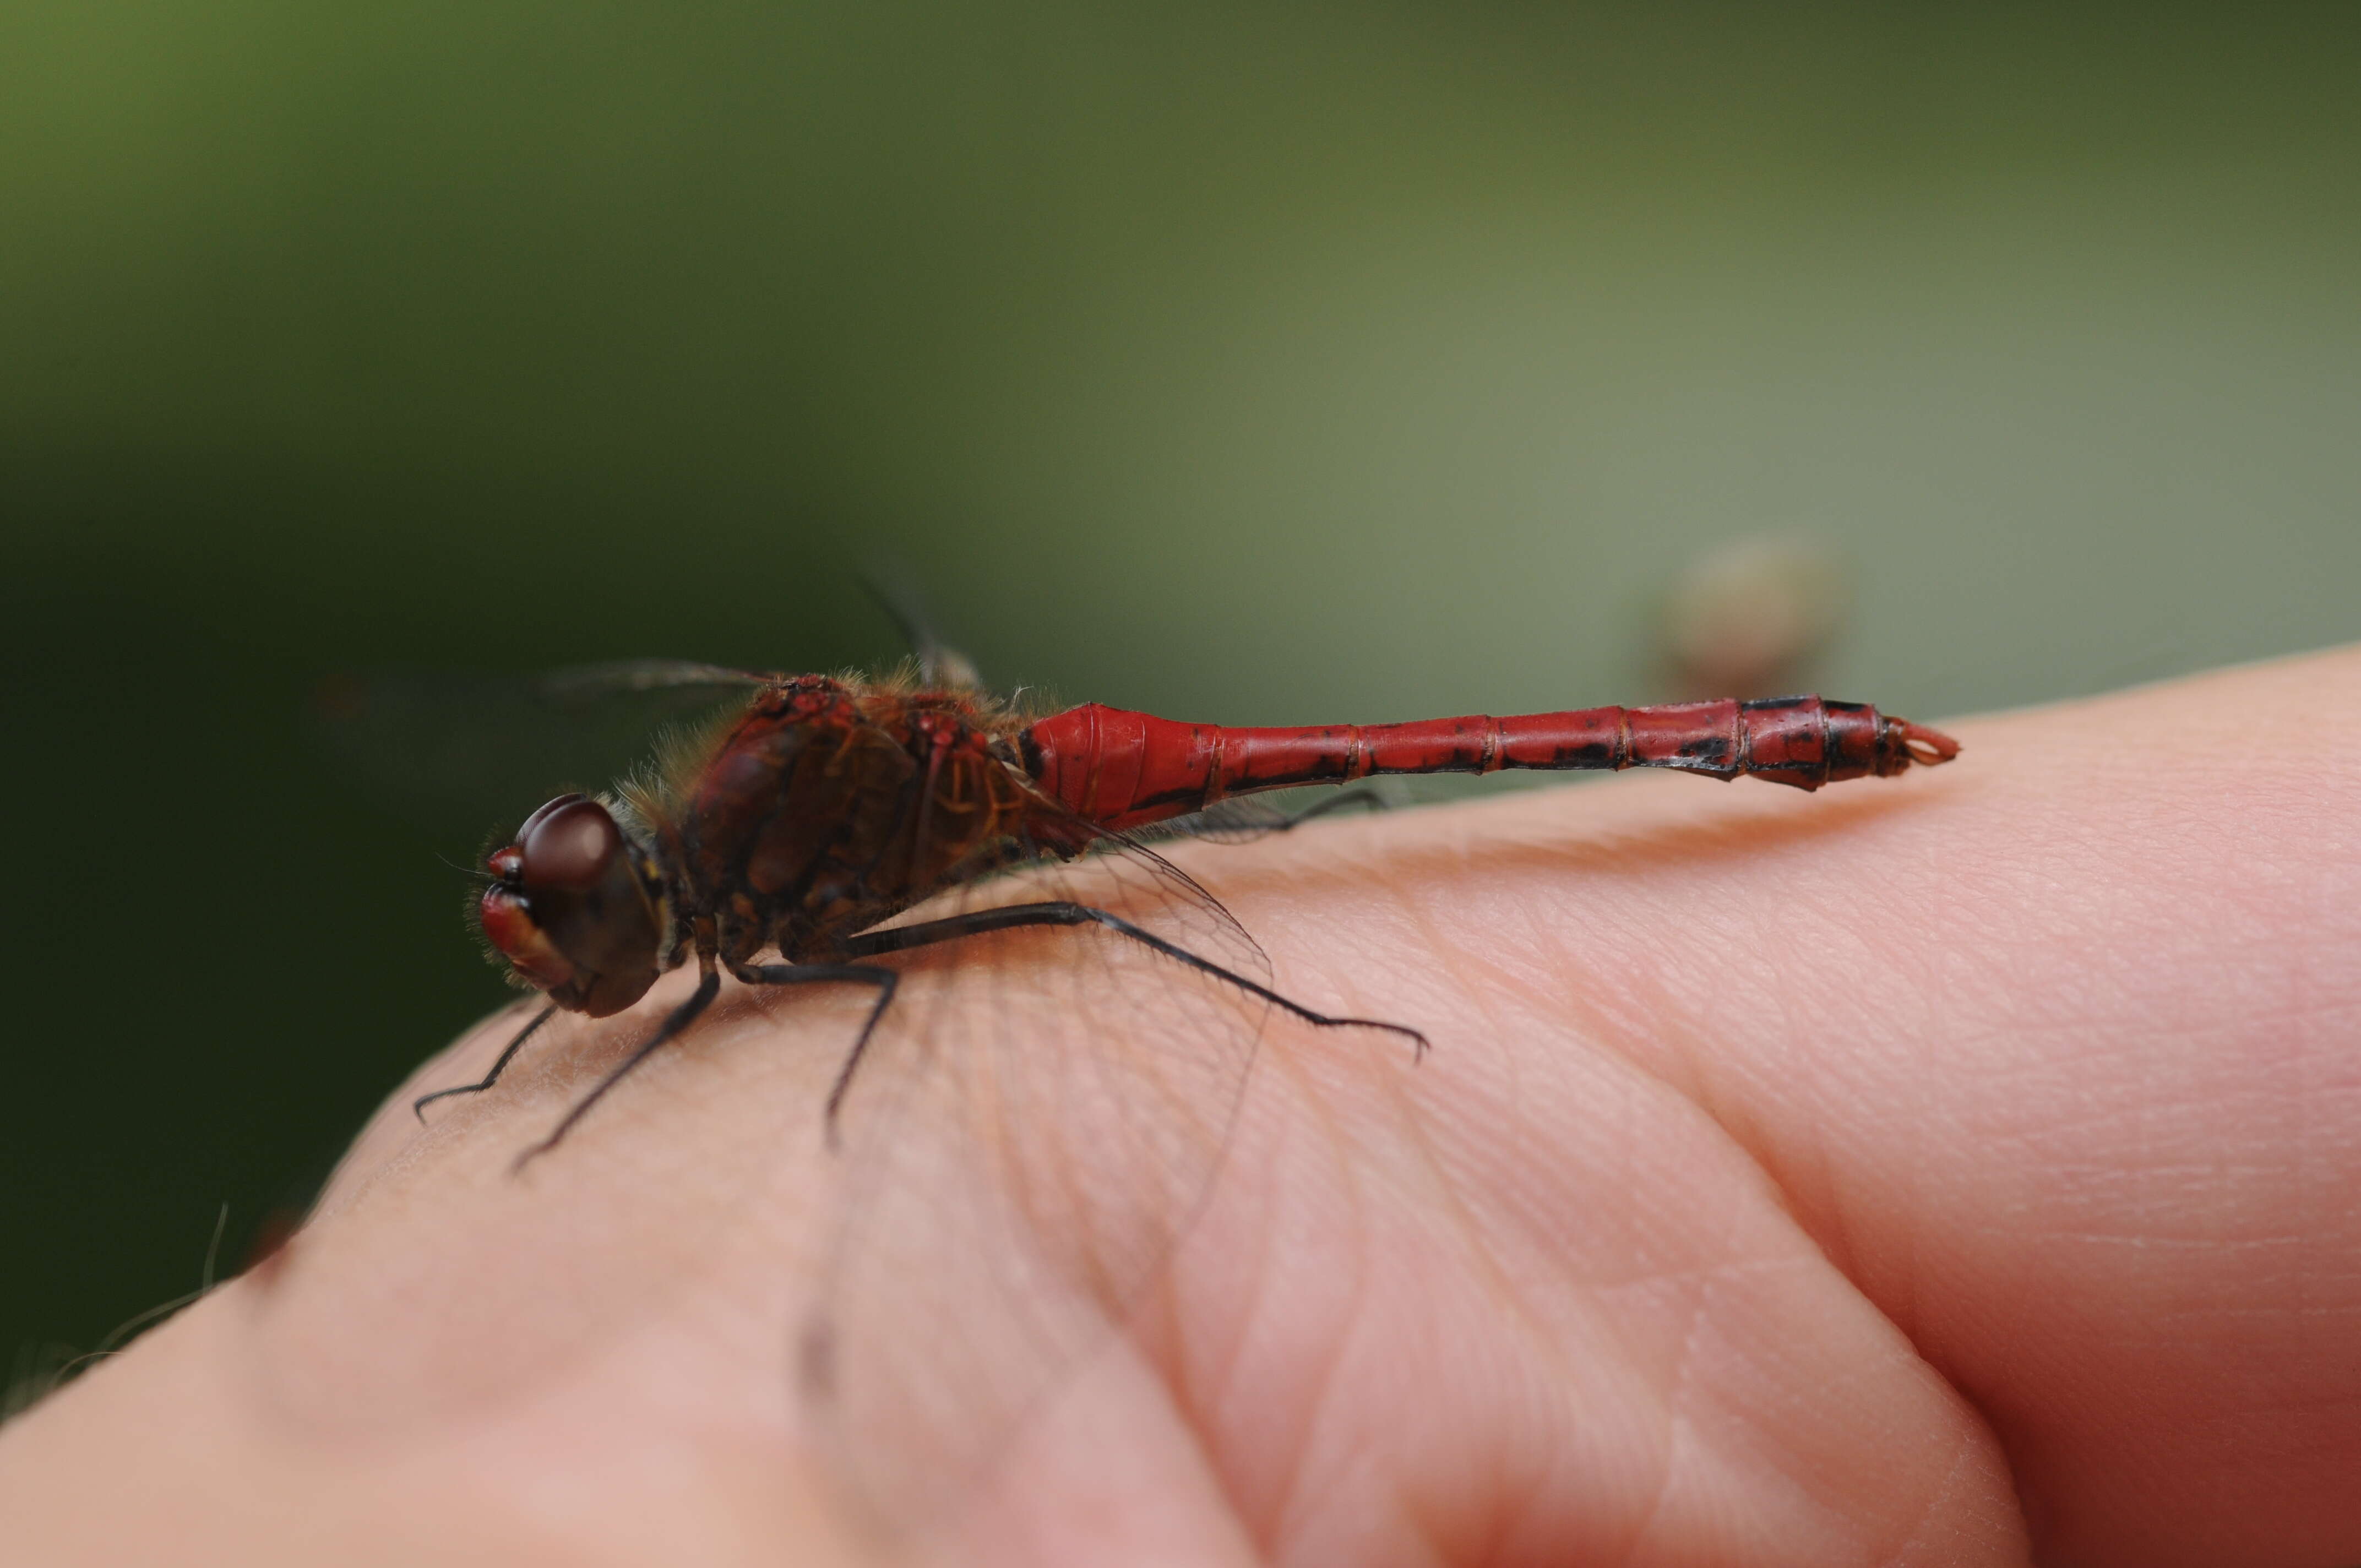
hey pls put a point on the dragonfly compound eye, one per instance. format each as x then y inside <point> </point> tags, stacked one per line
<point>571,913</point>
<point>535,819</point>
<point>569,846</point>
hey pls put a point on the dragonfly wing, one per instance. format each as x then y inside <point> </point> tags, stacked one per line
<point>455,752</point>
<point>579,683</point>
<point>1241,820</point>
<point>941,665</point>
<point>1035,1124</point>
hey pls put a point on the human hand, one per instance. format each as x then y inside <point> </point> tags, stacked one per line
<point>1941,1170</point>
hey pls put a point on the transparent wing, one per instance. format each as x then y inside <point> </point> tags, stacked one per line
<point>1038,1119</point>
<point>894,590</point>
<point>1241,820</point>
<point>585,682</point>
<point>455,751</point>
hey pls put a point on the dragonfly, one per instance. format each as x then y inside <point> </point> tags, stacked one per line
<point>829,830</point>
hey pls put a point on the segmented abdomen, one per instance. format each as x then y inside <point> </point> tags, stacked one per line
<point>1125,769</point>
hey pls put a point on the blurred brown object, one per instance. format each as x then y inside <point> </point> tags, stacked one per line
<point>1748,617</point>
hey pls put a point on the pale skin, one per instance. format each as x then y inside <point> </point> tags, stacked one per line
<point>1963,1168</point>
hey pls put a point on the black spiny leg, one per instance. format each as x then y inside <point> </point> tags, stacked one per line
<point>1009,917</point>
<point>903,940</point>
<point>418,1106</point>
<point>682,1017</point>
<point>884,980</point>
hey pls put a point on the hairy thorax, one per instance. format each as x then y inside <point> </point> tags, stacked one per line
<point>826,806</point>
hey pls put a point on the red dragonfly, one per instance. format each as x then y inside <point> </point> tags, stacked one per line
<point>826,806</point>
<point>843,822</point>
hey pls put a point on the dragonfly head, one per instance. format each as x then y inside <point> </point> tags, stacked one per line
<point>578,908</point>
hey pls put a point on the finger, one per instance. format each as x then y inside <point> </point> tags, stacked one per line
<point>1527,1303</point>
<point>2050,1053</point>
<point>449,1365</point>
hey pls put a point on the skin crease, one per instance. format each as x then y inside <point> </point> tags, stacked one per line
<point>1964,1169</point>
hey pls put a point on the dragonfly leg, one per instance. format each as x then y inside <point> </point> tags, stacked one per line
<point>418,1106</point>
<point>884,979</point>
<point>1010,916</point>
<point>682,1017</point>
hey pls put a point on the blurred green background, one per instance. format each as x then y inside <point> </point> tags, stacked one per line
<point>1259,364</point>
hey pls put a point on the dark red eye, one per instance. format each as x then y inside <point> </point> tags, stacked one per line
<point>534,821</point>
<point>568,845</point>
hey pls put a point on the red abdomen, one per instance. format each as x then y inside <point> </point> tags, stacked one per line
<point>1124,770</point>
